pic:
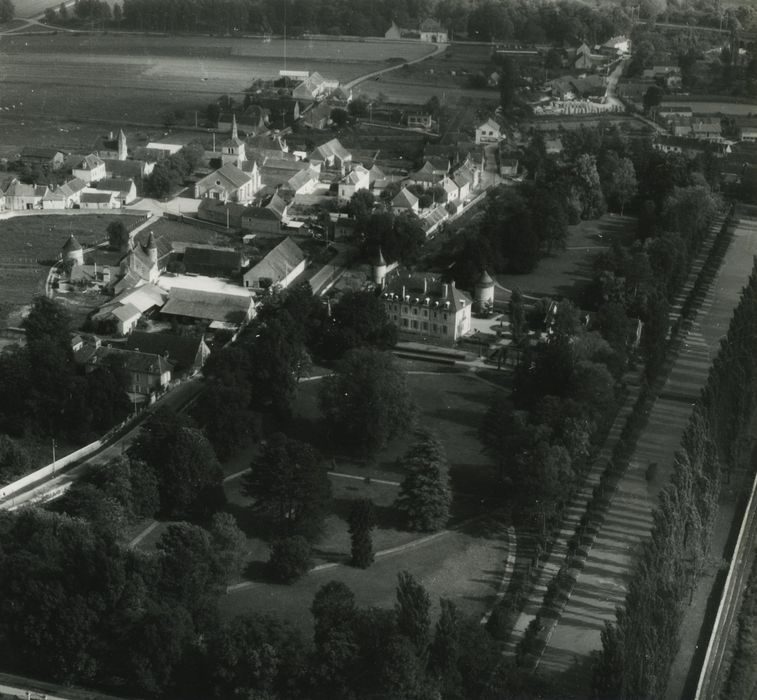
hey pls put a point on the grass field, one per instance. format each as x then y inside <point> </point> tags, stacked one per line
<point>464,564</point>
<point>133,79</point>
<point>564,273</point>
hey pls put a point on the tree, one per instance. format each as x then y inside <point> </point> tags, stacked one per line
<point>652,98</point>
<point>366,401</point>
<point>358,319</point>
<point>7,11</point>
<point>183,460</point>
<point>413,612</point>
<point>223,412</point>
<point>278,358</point>
<point>14,459</point>
<point>339,116</point>
<point>425,494</point>
<point>118,236</point>
<point>445,650</point>
<point>588,188</point>
<point>335,638</point>
<point>362,520</point>
<point>291,559</point>
<point>507,84</point>
<point>230,544</point>
<point>289,482</point>
<point>117,14</point>
<point>624,184</point>
<point>63,12</point>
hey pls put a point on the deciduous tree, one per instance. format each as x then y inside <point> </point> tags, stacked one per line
<point>362,520</point>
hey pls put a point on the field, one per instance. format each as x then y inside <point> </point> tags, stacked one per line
<point>132,79</point>
<point>27,243</point>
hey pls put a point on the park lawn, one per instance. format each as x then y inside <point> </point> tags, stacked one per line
<point>465,567</point>
<point>564,273</point>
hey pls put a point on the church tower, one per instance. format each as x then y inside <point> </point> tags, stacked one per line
<point>122,150</point>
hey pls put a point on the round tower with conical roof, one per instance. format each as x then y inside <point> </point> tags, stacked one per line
<point>484,292</point>
<point>72,250</point>
<point>378,267</point>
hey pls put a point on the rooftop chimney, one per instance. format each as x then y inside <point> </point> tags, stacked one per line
<point>445,290</point>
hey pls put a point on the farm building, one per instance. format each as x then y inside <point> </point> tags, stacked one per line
<point>318,116</point>
<point>64,196</point>
<point>19,196</point>
<point>431,30</point>
<point>277,269</point>
<point>148,374</point>
<point>227,214</point>
<point>213,261</point>
<point>222,310</point>
<point>46,157</point>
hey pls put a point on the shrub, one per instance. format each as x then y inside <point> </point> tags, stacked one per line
<point>291,558</point>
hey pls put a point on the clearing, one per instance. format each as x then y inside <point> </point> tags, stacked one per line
<point>565,272</point>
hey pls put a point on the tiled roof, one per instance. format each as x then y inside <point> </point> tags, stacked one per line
<point>179,349</point>
<point>330,149</point>
<point>215,306</point>
<point>126,312</point>
<point>96,197</point>
<point>405,198</point>
<point>133,361</point>
<point>279,262</point>
<point>89,162</point>
<point>115,184</point>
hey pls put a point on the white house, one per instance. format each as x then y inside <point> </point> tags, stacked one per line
<point>90,169</point>
<point>95,199</point>
<point>357,179</point>
<point>125,189</point>
<point>405,201</point>
<point>488,132</point>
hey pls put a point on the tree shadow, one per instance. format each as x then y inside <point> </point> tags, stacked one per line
<point>253,523</point>
<point>257,571</point>
<point>387,517</point>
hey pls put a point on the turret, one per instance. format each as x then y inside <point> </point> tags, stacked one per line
<point>72,250</point>
<point>379,269</point>
<point>484,292</point>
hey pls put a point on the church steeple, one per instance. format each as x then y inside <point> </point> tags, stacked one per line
<point>234,134</point>
<point>122,150</point>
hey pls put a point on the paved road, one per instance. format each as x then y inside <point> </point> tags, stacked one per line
<point>602,584</point>
<point>56,485</point>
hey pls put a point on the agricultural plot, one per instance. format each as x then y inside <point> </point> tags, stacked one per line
<point>135,79</point>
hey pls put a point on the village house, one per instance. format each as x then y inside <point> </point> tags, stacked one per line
<point>420,120</point>
<point>707,129</point>
<point>90,169</point>
<point>148,374</point>
<point>311,88</point>
<point>463,182</point>
<point>19,196</point>
<point>616,46</point>
<point>488,132</point>
<point>277,269</point>
<point>426,308</point>
<point>132,169</point>
<point>282,111</point>
<point>405,201</point>
<point>64,196</point>
<point>126,190</point>
<point>187,354</point>
<point>746,129</point>
<point>94,199</point>
<point>674,110</point>
<point>357,179</point>
<point>317,116</point>
<point>508,167</point>
<point>331,155</point>
<point>430,30</point>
